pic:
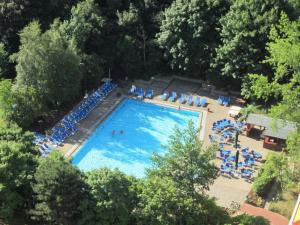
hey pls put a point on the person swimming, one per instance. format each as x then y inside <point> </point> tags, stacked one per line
<point>121,131</point>
<point>113,132</point>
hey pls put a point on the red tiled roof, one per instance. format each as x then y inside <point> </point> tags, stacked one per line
<point>274,218</point>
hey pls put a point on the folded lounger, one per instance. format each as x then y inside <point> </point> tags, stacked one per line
<point>165,95</point>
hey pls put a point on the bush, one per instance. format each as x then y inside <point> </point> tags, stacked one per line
<point>254,199</point>
<point>272,171</point>
<point>245,219</point>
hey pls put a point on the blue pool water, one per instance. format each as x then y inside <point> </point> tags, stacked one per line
<point>146,127</point>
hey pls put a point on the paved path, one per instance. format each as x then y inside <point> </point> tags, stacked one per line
<point>274,218</point>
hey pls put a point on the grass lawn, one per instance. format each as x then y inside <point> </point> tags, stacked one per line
<point>286,203</point>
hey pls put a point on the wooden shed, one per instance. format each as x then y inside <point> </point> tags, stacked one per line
<point>273,132</point>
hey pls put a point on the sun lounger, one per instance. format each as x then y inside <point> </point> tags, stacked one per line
<point>190,100</point>
<point>173,97</point>
<point>150,93</point>
<point>182,99</point>
<point>165,95</point>
<point>225,169</point>
<point>197,101</point>
<point>203,102</point>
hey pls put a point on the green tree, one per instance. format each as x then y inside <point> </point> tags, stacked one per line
<point>186,162</point>
<point>3,61</point>
<point>245,219</point>
<point>86,28</point>
<point>60,193</point>
<point>48,63</point>
<point>18,160</point>
<point>112,193</point>
<point>188,33</point>
<point>162,203</point>
<point>16,14</point>
<point>244,34</point>
<point>20,104</point>
<point>274,169</point>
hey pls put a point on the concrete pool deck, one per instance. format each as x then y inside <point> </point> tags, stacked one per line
<point>224,189</point>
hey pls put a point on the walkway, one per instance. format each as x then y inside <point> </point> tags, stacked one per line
<point>274,218</point>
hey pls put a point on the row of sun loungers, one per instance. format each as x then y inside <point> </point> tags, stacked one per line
<point>184,99</point>
<point>222,100</point>
<point>67,126</point>
<point>141,93</point>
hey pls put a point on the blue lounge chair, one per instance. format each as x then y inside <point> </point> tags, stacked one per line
<point>165,95</point>
<point>173,97</point>
<point>226,101</point>
<point>197,101</point>
<point>220,100</point>
<point>190,101</point>
<point>150,93</point>
<point>203,102</point>
<point>256,155</point>
<point>225,169</point>
<point>141,93</point>
<point>182,99</point>
<point>246,173</point>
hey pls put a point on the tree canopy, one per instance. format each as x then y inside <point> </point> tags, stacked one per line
<point>187,162</point>
<point>18,160</point>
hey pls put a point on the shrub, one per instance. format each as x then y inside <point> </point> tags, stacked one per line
<point>254,199</point>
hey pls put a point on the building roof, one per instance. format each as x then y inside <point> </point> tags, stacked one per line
<point>273,128</point>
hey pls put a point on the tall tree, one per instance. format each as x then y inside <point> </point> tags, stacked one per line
<point>60,193</point>
<point>186,162</point>
<point>16,14</point>
<point>244,33</point>
<point>283,85</point>
<point>18,160</point>
<point>188,34</point>
<point>113,196</point>
<point>161,202</point>
<point>49,63</point>
<point>19,104</point>
<point>3,61</point>
<point>284,51</point>
<point>86,28</point>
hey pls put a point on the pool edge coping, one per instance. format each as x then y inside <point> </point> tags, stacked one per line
<point>76,147</point>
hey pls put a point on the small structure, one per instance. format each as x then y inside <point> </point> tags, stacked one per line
<point>274,132</point>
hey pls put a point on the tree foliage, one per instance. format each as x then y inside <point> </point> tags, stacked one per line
<point>244,33</point>
<point>113,196</point>
<point>186,162</point>
<point>48,63</point>
<point>274,169</point>
<point>18,159</point>
<point>60,193</point>
<point>188,33</point>
<point>3,61</point>
<point>162,202</point>
<point>245,219</point>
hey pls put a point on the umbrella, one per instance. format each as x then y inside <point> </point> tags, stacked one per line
<point>236,139</point>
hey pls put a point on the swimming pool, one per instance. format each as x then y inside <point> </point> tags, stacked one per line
<point>129,136</point>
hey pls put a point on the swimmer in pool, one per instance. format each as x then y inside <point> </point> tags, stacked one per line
<point>113,132</point>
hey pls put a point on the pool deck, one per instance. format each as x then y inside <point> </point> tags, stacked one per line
<point>224,189</point>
